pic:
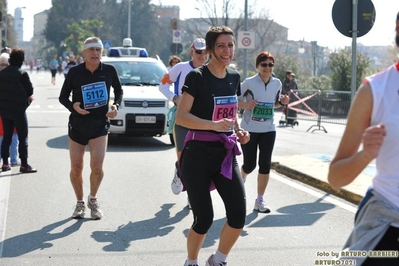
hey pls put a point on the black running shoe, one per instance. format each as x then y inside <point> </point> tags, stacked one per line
<point>27,169</point>
<point>5,167</point>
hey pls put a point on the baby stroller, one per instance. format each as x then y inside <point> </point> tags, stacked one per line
<point>289,116</point>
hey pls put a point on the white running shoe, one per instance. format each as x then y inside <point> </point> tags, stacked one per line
<point>261,207</point>
<point>210,262</point>
<point>176,184</point>
<point>96,212</point>
<point>79,212</point>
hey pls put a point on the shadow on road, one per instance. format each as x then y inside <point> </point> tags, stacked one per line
<point>160,225</point>
<point>60,142</point>
<point>303,214</point>
<point>118,144</point>
<point>22,244</point>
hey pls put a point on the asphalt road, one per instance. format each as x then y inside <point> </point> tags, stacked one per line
<point>144,223</point>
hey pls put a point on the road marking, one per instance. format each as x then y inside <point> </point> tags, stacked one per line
<point>312,192</point>
<point>4,196</point>
<point>48,109</point>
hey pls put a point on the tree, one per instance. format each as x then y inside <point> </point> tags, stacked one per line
<point>67,23</point>
<point>68,12</point>
<point>341,67</point>
<point>79,32</point>
<point>322,83</point>
<point>286,62</point>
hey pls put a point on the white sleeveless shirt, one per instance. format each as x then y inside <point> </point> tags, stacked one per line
<point>385,90</point>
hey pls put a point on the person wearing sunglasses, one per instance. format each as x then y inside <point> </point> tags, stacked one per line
<point>260,95</point>
<point>173,60</point>
<point>290,87</point>
<point>176,76</point>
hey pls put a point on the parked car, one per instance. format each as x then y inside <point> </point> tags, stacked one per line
<point>143,112</point>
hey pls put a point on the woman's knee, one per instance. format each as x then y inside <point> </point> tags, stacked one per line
<point>248,168</point>
<point>202,225</point>
<point>236,220</point>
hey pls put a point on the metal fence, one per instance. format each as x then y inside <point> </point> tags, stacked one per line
<point>318,106</point>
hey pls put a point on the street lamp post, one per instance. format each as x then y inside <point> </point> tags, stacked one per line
<point>128,19</point>
<point>314,54</point>
<point>301,49</point>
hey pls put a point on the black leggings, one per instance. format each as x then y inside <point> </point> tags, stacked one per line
<point>200,164</point>
<point>18,120</point>
<point>389,242</point>
<point>265,142</point>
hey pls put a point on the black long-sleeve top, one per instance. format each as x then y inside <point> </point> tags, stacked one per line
<point>15,89</point>
<point>92,90</point>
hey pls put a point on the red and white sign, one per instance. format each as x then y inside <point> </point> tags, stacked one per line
<point>246,40</point>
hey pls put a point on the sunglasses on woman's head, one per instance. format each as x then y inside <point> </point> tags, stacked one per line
<point>267,64</point>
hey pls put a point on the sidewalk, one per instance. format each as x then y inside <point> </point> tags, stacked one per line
<point>312,169</point>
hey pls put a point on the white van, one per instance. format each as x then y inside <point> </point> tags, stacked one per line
<point>143,112</point>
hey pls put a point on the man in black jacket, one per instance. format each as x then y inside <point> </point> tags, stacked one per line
<point>16,92</point>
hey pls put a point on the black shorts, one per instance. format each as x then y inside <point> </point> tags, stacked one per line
<point>179,133</point>
<point>81,129</point>
<point>53,72</point>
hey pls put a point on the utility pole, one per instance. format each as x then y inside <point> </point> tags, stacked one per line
<point>128,18</point>
<point>245,50</point>
<point>354,50</point>
<point>1,28</point>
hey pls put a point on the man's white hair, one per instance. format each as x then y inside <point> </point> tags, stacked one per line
<point>4,59</point>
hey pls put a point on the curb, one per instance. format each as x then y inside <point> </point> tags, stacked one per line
<point>291,173</point>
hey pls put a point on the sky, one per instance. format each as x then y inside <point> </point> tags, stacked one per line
<point>308,20</point>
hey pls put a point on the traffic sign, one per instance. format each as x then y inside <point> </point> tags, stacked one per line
<point>246,40</point>
<point>107,44</point>
<point>176,36</point>
<point>173,23</point>
<point>342,17</point>
<point>176,48</point>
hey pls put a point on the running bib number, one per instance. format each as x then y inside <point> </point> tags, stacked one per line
<point>94,95</point>
<point>263,111</point>
<point>225,107</point>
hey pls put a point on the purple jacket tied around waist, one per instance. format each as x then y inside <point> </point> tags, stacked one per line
<point>229,142</point>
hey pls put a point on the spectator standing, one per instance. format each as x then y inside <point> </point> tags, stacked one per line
<point>371,132</point>
<point>208,107</point>
<point>14,141</point>
<point>176,76</point>
<point>290,87</point>
<point>16,94</point>
<point>260,94</point>
<point>89,120</point>
<point>173,60</point>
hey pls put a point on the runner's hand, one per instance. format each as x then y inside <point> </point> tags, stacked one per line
<point>76,107</point>
<point>113,112</point>
<point>372,140</point>
<point>223,124</point>
<point>243,136</point>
